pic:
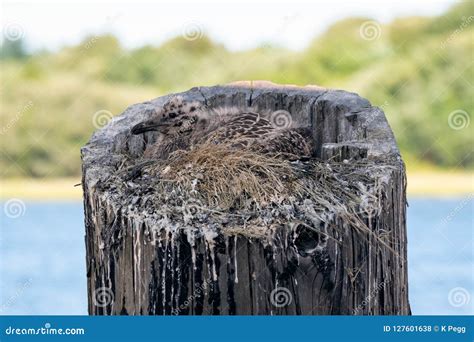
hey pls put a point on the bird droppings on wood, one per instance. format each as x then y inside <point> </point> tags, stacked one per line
<point>215,229</point>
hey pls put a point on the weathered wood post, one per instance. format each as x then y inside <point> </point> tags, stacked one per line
<point>352,262</point>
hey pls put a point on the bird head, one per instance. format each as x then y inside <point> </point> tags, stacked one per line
<point>176,117</point>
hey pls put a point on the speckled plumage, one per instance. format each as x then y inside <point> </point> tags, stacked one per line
<point>251,130</point>
<point>185,125</point>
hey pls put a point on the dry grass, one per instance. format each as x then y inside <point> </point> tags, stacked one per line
<point>226,177</point>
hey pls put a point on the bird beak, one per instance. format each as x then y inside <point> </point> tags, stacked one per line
<point>147,126</point>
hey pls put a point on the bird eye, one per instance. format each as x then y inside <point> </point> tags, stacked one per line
<point>172,115</point>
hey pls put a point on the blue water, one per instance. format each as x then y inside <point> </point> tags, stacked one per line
<point>42,258</point>
<point>440,255</point>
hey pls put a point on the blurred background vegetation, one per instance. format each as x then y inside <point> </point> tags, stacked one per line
<point>419,70</point>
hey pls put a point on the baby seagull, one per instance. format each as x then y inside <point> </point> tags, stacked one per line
<point>185,125</point>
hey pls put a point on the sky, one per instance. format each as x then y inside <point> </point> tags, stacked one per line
<point>238,25</point>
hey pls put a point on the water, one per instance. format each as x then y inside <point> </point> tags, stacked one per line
<point>440,256</point>
<point>42,265</point>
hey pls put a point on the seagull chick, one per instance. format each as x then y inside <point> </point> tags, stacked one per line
<point>184,125</point>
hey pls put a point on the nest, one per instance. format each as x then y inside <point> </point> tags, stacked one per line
<point>226,178</point>
<point>239,191</point>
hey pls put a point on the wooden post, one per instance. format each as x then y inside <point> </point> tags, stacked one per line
<point>134,268</point>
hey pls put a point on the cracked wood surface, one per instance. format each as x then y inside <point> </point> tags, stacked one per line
<point>235,274</point>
